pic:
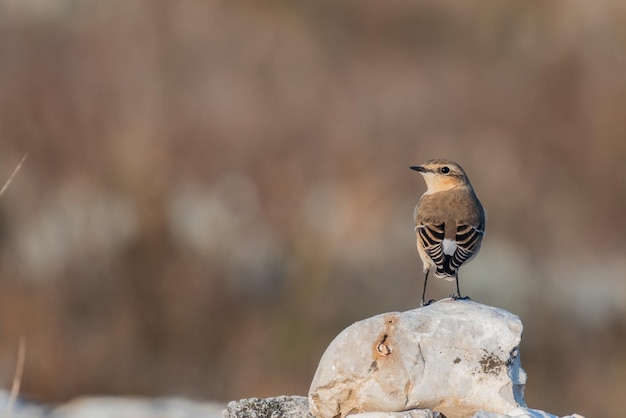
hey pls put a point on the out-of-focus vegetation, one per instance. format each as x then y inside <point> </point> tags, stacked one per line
<point>215,189</point>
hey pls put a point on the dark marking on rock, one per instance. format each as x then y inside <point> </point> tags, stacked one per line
<point>457,360</point>
<point>491,364</point>
<point>382,348</point>
<point>390,319</point>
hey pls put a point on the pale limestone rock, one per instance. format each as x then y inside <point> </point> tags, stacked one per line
<point>456,357</point>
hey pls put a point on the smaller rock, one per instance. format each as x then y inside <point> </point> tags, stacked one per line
<point>279,407</point>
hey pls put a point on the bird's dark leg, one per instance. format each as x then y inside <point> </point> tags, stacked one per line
<point>424,291</point>
<point>457,295</point>
<point>458,291</point>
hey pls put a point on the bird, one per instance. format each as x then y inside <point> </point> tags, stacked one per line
<point>449,221</point>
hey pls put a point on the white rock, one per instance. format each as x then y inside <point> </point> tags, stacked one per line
<point>456,357</point>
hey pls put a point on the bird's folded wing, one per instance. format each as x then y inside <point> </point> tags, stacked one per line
<point>431,236</point>
<point>468,239</point>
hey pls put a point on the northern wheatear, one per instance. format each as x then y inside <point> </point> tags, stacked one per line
<point>449,221</point>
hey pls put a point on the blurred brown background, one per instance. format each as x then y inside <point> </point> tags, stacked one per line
<point>215,189</point>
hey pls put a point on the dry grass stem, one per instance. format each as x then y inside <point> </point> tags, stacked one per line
<point>17,168</point>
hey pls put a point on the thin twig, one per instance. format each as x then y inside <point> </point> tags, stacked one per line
<point>21,350</point>
<point>6,183</point>
<point>17,379</point>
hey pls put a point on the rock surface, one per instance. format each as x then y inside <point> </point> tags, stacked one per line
<point>456,357</point>
<point>282,406</point>
<point>297,407</point>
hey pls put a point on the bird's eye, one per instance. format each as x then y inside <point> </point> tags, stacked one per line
<point>444,170</point>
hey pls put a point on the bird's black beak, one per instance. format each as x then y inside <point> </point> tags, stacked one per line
<point>418,168</point>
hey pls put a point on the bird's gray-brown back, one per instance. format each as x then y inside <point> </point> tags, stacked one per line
<point>452,208</point>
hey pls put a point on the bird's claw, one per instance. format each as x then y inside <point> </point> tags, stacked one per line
<point>428,303</point>
<point>455,296</point>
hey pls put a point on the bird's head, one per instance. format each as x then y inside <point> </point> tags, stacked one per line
<point>441,175</point>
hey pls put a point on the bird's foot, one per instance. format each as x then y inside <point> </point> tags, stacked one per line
<point>427,303</point>
<point>456,296</point>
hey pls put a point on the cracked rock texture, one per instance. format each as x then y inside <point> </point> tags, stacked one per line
<point>279,407</point>
<point>455,357</point>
